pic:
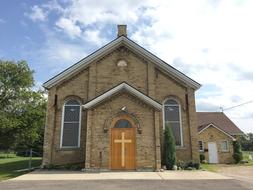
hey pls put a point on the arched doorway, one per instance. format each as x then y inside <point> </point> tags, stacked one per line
<point>123,143</point>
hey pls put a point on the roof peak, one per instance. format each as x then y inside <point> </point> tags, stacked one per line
<point>83,63</point>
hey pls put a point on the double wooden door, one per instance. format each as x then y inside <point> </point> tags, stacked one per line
<point>123,145</point>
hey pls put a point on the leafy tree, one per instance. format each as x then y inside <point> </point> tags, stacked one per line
<point>247,142</point>
<point>169,152</point>
<point>22,109</point>
<point>237,151</point>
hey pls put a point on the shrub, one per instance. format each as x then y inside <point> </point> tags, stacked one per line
<point>188,165</point>
<point>237,152</point>
<point>193,164</point>
<point>169,153</point>
<point>180,164</point>
<point>202,158</point>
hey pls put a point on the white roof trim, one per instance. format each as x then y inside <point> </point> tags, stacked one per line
<point>110,46</point>
<point>116,89</point>
<point>157,61</point>
<point>211,124</point>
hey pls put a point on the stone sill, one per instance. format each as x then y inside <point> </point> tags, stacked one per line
<point>69,149</point>
<point>225,151</point>
<point>180,148</point>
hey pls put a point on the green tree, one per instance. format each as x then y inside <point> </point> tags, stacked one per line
<point>247,142</point>
<point>169,148</point>
<point>22,109</point>
<point>237,155</point>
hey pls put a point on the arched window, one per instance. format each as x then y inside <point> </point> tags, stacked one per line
<point>123,123</point>
<point>172,118</point>
<point>71,124</point>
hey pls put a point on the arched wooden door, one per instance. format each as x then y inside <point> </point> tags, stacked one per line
<point>123,144</point>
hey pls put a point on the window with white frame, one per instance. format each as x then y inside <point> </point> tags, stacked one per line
<point>71,122</point>
<point>201,146</point>
<point>224,146</point>
<point>172,118</point>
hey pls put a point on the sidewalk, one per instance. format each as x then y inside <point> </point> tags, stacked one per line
<point>75,175</point>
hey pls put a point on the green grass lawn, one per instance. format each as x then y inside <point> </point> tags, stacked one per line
<point>216,167</point>
<point>210,167</point>
<point>9,164</point>
<point>246,155</point>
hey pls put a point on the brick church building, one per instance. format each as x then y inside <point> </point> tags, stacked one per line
<point>108,111</point>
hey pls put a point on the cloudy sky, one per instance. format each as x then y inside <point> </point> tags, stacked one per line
<point>209,40</point>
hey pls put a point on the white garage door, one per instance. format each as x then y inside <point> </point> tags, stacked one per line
<point>212,151</point>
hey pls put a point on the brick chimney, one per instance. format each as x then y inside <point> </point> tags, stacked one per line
<point>122,30</point>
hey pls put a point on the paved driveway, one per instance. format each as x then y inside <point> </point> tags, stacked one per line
<point>242,173</point>
<point>56,180</point>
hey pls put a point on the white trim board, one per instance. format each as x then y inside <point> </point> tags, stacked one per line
<point>129,89</point>
<point>212,125</point>
<point>112,45</point>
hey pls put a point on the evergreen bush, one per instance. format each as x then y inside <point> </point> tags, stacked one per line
<point>202,158</point>
<point>237,151</point>
<point>169,153</point>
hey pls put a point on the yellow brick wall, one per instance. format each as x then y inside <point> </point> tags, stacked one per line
<point>212,134</point>
<point>102,75</point>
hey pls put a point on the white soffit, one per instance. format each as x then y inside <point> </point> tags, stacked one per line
<point>129,89</point>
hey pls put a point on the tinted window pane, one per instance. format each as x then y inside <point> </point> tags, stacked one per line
<point>72,113</point>
<point>224,145</point>
<point>173,102</point>
<point>171,113</point>
<point>72,102</point>
<point>200,145</point>
<point>123,124</point>
<point>70,134</point>
<point>176,132</point>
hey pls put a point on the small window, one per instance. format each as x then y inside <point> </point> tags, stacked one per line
<point>201,146</point>
<point>71,124</point>
<point>123,123</point>
<point>173,120</point>
<point>224,146</point>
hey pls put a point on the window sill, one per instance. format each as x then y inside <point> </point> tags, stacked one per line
<point>225,151</point>
<point>69,149</point>
<point>180,148</point>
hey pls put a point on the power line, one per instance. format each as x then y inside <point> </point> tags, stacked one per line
<point>251,101</point>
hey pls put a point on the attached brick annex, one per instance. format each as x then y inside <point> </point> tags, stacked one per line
<point>120,82</point>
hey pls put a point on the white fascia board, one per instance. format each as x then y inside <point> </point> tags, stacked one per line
<point>110,46</point>
<point>162,64</point>
<point>212,125</point>
<point>83,63</point>
<point>116,89</point>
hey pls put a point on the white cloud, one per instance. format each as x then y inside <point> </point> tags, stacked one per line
<point>93,36</point>
<point>37,14</point>
<point>112,11</point>
<point>61,53</point>
<point>69,27</point>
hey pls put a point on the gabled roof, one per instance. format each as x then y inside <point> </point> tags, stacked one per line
<point>129,89</point>
<point>216,127</point>
<point>122,40</point>
<point>220,120</point>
